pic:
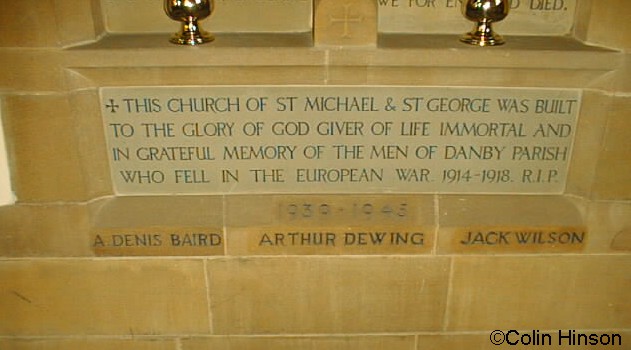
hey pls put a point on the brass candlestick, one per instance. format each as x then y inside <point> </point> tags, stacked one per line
<point>189,12</point>
<point>484,13</point>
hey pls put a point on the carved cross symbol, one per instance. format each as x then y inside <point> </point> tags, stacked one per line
<point>113,107</point>
<point>346,19</point>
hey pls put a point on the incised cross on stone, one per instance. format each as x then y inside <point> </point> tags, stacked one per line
<point>112,106</point>
<point>346,19</point>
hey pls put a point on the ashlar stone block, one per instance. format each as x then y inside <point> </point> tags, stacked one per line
<point>345,23</point>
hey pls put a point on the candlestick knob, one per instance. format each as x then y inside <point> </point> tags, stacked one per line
<point>484,13</point>
<point>189,12</point>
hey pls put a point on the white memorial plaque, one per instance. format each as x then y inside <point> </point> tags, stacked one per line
<point>526,17</point>
<point>338,139</point>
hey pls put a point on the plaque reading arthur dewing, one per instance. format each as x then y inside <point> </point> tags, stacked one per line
<point>338,139</point>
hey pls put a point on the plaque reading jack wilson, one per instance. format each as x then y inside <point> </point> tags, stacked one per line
<point>338,139</point>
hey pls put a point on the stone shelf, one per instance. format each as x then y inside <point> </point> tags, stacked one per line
<point>294,59</point>
<point>149,59</point>
<point>520,52</point>
<point>223,41</point>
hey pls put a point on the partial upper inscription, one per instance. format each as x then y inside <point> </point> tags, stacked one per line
<point>526,17</point>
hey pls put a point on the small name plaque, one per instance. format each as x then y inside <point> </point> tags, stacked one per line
<point>513,239</point>
<point>158,241</point>
<point>338,139</point>
<point>336,241</point>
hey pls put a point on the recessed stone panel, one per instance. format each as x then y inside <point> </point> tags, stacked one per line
<point>228,16</point>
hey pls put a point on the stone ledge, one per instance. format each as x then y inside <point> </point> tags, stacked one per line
<point>149,59</point>
<point>520,52</point>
